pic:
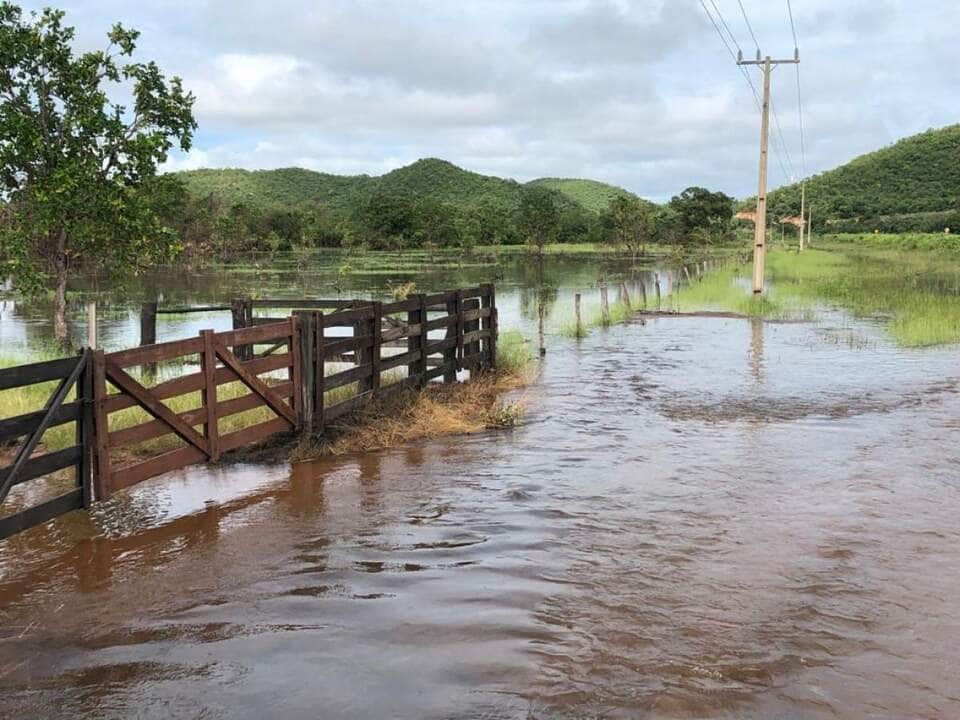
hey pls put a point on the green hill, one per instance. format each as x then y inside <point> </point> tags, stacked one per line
<point>444,182</point>
<point>591,194</point>
<point>430,178</point>
<point>289,187</point>
<point>913,184</point>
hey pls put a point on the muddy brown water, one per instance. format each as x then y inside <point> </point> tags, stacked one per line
<point>701,518</point>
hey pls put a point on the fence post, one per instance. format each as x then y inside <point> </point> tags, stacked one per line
<point>102,489</point>
<point>540,339</point>
<point>376,326</point>
<point>417,316</point>
<point>306,345</point>
<point>604,306</point>
<point>242,314</point>
<point>208,366</point>
<point>296,372</point>
<point>489,300</point>
<point>656,282</point>
<point>84,435</point>
<point>576,309</point>
<point>643,291</point>
<point>319,368</point>
<point>626,294</point>
<point>451,356</point>
<point>148,324</point>
<point>471,349</point>
<point>92,324</point>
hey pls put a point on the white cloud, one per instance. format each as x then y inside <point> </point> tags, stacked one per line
<point>638,93</point>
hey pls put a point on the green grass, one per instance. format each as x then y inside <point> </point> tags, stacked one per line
<point>727,290</point>
<point>515,353</point>
<point>916,295</point>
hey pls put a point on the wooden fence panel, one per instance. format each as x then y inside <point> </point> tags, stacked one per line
<point>31,460</point>
<point>219,365</point>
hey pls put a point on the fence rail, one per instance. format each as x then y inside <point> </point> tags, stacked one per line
<point>230,389</point>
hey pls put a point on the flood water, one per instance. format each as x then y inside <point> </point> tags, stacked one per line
<point>700,518</point>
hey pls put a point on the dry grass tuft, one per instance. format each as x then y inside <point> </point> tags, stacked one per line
<point>436,411</point>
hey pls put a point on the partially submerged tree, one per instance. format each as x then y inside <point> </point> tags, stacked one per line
<point>77,168</point>
<point>539,217</point>
<point>634,224</point>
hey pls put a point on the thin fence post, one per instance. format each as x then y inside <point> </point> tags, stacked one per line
<point>319,367</point>
<point>101,477</point>
<point>604,305</point>
<point>376,326</point>
<point>148,332</point>
<point>208,366</point>
<point>656,283</point>
<point>576,309</point>
<point>92,324</point>
<point>543,347</point>
<point>643,292</point>
<point>626,295</point>
<point>686,274</point>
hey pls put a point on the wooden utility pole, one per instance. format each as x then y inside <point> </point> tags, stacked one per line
<point>760,221</point>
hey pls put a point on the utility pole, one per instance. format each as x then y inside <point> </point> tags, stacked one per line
<point>760,222</point>
<point>803,217</point>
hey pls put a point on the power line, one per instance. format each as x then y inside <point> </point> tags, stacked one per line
<point>793,27</point>
<point>776,118</point>
<point>749,27</point>
<point>745,73</point>
<point>796,45</point>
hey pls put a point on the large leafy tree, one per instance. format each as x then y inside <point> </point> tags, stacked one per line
<point>78,168</point>
<point>700,209</point>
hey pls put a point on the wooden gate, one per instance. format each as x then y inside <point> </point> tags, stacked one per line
<point>30,458</point>
<point>143,431</point>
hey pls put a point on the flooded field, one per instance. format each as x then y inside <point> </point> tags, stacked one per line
<point>700,518</point>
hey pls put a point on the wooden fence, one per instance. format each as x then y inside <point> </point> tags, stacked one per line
<point>30,460</point>
<point>155,408</point>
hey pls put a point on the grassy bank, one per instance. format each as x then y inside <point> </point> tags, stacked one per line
<point>438,410</point>
<point>891,241</point>
<point>914,293</point>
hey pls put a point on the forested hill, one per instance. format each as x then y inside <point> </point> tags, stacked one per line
<point>913,184</point>
<point>427,179</point>
<point>591,194</point>
<point>428,203</point>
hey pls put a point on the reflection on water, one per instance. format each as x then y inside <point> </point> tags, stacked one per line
<point>701,518</point>
<point>314,274</point>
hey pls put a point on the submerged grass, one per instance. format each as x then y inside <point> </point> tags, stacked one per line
<point>727,290</point>
<point>915,294</point>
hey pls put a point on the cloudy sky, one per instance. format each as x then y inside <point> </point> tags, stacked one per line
<point>641,93</point>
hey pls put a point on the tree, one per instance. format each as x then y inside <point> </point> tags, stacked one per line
<point>699,208</point>
<point>77,170</point>
<point>539,218</point>
<point>633,223</point>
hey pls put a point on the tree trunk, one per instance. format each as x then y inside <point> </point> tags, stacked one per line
<point>60,331</point>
